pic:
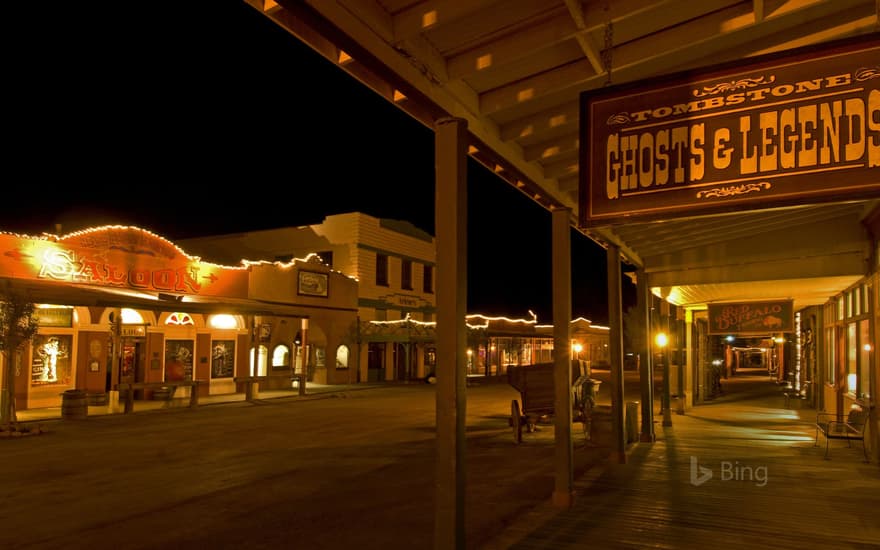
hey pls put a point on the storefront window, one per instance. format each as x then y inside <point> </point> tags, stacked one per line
<point>262,359</point>
<point>223,321</point>
<point>131,317</point>
<point>281,357</point>
<point>222,358</point>
<point>51,360</point>
<point>179,318</point>
<point>863,389</point>
<point>54,316</point>
<point>179,359</point>
<point>829,356</point>
<point>851,357</point>
<point>430,360</point>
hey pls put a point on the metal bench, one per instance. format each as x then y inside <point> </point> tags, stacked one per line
<point>834,426</point>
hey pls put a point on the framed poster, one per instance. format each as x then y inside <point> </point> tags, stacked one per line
<point>178,360</point>
<point>222,358</point>
<point>51,359</point>
<point>312,283</point>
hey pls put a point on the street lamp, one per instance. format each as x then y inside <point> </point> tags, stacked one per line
<point>577,348</point>
<point>662,340</point>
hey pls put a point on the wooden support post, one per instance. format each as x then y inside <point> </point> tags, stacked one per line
<point>563,492</point>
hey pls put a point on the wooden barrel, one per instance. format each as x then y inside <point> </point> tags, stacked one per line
<point>74,404</point>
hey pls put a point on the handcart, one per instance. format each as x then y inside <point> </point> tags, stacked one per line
<point>536,389</point>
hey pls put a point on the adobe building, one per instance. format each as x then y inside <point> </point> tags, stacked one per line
<point>122,305</point>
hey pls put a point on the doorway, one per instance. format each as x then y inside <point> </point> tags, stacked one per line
<point>375,362</point>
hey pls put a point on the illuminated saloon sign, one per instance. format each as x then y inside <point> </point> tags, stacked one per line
<point>768,131</point>
<point>117,257</point>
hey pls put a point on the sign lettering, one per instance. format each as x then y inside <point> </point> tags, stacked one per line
<point>751,317</point>
<point>785,130</point>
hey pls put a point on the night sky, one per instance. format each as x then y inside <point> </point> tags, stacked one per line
<point>189,120</point>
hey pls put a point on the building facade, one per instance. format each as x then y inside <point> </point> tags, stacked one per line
<point>123,305</point>
<point>394,264</point>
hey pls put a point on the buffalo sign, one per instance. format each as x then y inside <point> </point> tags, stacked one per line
<point>751,317</point>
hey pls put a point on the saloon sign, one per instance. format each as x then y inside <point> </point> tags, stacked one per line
<point>751,317</point>
<point>117,257</point>
<point>773,130</point>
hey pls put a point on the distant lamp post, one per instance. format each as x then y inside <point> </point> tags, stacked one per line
<point>577,348</point>
<point>662,341</point>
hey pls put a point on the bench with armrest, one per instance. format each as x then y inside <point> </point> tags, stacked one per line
<point>849,428</point>
<point>249,382</point>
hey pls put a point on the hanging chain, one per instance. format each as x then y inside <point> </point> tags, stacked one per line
<point>609,46</point>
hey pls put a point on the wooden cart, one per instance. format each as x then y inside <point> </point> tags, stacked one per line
<point>536,389</point>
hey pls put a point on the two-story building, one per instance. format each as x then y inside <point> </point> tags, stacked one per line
<point>394,264</point>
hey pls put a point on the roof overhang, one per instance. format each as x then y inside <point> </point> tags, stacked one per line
<point>42,292</point>
<point>516,72</point>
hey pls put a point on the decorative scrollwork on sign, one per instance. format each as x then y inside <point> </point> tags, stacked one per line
<point>733,190</point>
<point>619,118</point>
<point>866,73</point>
<point>736,84</point>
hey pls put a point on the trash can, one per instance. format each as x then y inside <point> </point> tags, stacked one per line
<point>74,404</point>
<point>632,421</point>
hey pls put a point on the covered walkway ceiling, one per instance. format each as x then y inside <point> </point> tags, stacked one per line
<point>514,69</point>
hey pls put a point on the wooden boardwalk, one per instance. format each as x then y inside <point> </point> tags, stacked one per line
<point>740,472</point>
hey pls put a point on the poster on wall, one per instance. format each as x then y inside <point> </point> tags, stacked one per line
<point>311,283</point>
<point>222,358</point>
<point>51,361</point>
<point>178,360</point>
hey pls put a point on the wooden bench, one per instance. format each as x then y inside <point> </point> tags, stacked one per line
<point>833,426</point>
<point>249,385</point>
<point>128,389</point>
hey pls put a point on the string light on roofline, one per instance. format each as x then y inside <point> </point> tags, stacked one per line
<point>244,263</point>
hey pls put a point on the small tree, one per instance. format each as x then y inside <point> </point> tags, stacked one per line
<point>17,327</point>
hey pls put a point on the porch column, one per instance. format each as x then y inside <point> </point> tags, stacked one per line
<point>304,329</point>
<point>690,359</point>
<point>646,374</point>
<point>615,352</point>
<point>681,359</point>
<point>389,363</point>
<point>563,493</point>
<point>450,223</point>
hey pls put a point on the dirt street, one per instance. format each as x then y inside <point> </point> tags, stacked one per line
<point>355,470</point>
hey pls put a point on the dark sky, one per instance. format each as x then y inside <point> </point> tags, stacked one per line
<point>189,120</point>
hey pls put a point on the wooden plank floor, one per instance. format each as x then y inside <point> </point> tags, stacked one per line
<point>740,472</point>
